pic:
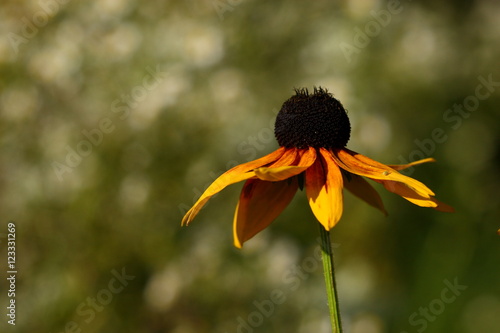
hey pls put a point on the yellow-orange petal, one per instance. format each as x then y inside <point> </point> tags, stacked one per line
<point>264,160</point>
<point>218,185</point>
<point>362,189</point>
<point>363,166</point>
<point>408,193</point>
<point>409,165</point>
<point>238,173</point>
<point>289,157</point>
<point>278,173</point>
<point>324,189</point>
<point>260,203</point>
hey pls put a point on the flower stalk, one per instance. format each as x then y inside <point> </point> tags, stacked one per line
<point>329,272</point>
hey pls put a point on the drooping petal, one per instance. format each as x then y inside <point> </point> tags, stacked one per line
<point>276,172</point>
<point>238,173</point>
<point>363,190</point>
<point>410,195</point>
<point>260,203</point>
<point>324,189</point>
<point>407,193</point>
<point>409,165</point>
<point>364,166</point>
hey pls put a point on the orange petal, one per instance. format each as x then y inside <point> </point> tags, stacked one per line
<point>264,160</point>
<point>363,166</point>
<point>276,173</point>
<point>288,158</point>
<point>324,189</point>
<point>409,165</point>
<point>442,207</point>
<point>363,190</point>
<point>234,175</point>
<point>260,203</point>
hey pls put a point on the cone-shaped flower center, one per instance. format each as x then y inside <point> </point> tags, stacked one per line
<point>312,120</point>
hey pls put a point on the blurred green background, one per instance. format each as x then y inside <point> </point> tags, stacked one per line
<point>115,115</point>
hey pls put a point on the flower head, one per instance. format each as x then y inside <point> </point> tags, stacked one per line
<point>312,131</point>
<point>316,120</point>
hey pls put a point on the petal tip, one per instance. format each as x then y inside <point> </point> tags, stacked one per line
<point>442,207</point>
<point>237,244</point>
<point>185,220</point>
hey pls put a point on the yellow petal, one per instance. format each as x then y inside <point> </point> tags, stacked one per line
<point>363,166</point>
<point>276,172</point>
<point>260,203</point>
<point>238,173</point>
<point>412,196</point>
<point>363,190</point>
<point>407,192</point>
<point>409,165</point>
<point>324,189</point>
<point>218,185</point>
<point>424,202</point>
<point>433,203</point>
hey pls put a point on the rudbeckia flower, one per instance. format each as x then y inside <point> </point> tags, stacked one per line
<point>312,131</point>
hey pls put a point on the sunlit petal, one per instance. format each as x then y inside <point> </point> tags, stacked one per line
<point>260,203</point>
<point>423,202</point>
<point>277,173</point>
<point>324,189</point>
<point>289,157</point>
<point>361,165</point>
<point>409,165</point>
<point>408,193</point>
<point>238,173</point>
<point>264,160</point>
<point>363,190</point>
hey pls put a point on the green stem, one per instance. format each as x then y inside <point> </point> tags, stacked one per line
<point>331,288</point>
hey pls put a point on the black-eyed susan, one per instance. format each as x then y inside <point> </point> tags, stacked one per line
<point>312,131</point>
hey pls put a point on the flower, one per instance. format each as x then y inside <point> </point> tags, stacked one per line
<point>312,131</point>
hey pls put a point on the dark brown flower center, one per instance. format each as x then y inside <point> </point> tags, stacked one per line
<point>312,120</point>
